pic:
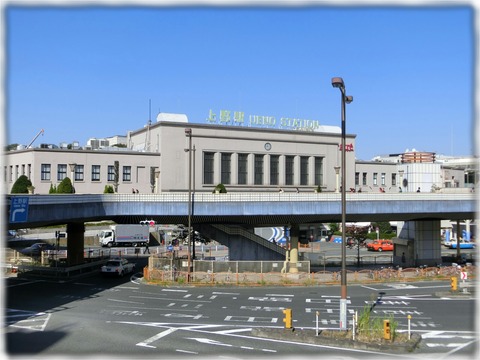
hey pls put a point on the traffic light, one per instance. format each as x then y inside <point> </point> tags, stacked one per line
<point>454,283</point>
<point>147,222</point>
<point>288,318</point>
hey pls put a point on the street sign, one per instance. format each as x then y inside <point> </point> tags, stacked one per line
<point>463,275</point>
<point>19,209</point>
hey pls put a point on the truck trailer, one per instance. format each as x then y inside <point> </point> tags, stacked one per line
<point>125,235</point>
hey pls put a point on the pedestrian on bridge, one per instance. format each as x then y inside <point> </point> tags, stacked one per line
<point>146,248</point>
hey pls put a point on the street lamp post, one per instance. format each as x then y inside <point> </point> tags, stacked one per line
<point>188,133</point>
<point>338,83</point>
<point>193,204</point>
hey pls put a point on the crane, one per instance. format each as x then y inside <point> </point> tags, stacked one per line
<point>35,138</point>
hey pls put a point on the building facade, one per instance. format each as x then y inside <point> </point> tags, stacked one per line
<point>165,155</point>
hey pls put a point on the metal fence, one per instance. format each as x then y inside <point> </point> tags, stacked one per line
<point>171,270</point>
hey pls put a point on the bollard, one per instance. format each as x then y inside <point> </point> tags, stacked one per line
<point>386,330</point>
<point>288,318</point>
<point>409,317</point>
<point>454,283</point>
<point>317,314</point>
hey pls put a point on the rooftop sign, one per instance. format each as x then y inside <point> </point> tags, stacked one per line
<point>237,118</point>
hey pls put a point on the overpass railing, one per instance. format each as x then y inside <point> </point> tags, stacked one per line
<point>243,197</point>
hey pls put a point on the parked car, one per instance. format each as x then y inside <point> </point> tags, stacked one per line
<point>118,267</point>
<point>36,249</point>
<point>381,245</point>
<point>463,245</point>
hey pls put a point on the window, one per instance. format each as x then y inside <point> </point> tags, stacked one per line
<point>45,172</point>
<point>127,173</point>
<point>208,167</point>
<point>357,179</point>
<point>394,179</point>
<point>61,171</point>
<point>289,169</point>
<point>375,179</point>
<point>226,168</point>
<point>111,173</point>
<point>95,172</point>
<point>319,171</point>
<point>258,168</point>
<point>383,179</point>
<point>79,171</point>
<point>274,170</point>
<point>242,169</point>
<point>364,179</point>
<point>304,170</point>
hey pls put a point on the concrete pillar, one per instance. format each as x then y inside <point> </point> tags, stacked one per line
<point>294,234</point>
<point>337,179</point>
<point>426,237</point>
<point>75,243</point>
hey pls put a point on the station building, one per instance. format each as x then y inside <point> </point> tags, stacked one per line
<point>256,155</point>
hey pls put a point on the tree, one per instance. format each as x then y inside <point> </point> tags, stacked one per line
<point>116,179</point>
<point>21,185</point>
<point>53,189</point>
<point>65,187</point>
<point>333,227</point>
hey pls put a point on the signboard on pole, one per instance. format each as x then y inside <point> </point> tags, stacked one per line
<point>19,209</point>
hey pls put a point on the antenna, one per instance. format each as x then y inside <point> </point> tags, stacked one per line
<point>147,135</point>
<point>150,112</point>
<point>35,138</point>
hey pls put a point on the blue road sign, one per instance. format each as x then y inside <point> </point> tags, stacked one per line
<point>19,209</point>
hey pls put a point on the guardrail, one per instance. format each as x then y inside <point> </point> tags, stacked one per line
<point>242,197</point>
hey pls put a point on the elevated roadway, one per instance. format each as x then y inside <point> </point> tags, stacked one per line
<point>248,209</point>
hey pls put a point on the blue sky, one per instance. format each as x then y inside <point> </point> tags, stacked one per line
<point>81,72</point>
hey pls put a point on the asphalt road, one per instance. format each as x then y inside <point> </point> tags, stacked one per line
<point>124,317</point>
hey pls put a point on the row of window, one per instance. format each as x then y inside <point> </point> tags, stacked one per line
<point>281,169</point>
<point>62,172</point>
<point>79,172</point>
<point>375,179</point>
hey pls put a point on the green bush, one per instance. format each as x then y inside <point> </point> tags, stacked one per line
<point>21,185</point>
<point>65,187</point>
<point>220,188</point>
<point>108,189</point>
<point>53,189</point>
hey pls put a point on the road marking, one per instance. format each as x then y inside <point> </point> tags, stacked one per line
<point>231,331</point>
<point>274,299</point>
<point>27,319</point>
<point>124,301</point>
<point>175,290</point>
<point>167,299</point>
<point>251,319</point>
<point>257,308</point>
<point>286,295</point>
<point>224,293</point>
<point>146,343</point>
<point>187,352</point>
<point>210,342</point>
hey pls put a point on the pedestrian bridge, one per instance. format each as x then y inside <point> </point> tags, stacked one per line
<point>248,209</point>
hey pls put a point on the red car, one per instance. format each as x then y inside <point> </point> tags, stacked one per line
<point>381,245</point>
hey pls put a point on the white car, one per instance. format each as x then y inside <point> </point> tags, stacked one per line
<point>118,267</point>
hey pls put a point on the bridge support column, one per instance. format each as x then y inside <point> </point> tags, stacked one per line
<point>427,247</point>
<point>294,234</point>
<point>75,243</point>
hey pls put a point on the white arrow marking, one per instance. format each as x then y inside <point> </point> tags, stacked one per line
<point>210,342</point>
<point>14,212</point>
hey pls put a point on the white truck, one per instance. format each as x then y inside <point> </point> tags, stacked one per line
<point>126,235</point>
